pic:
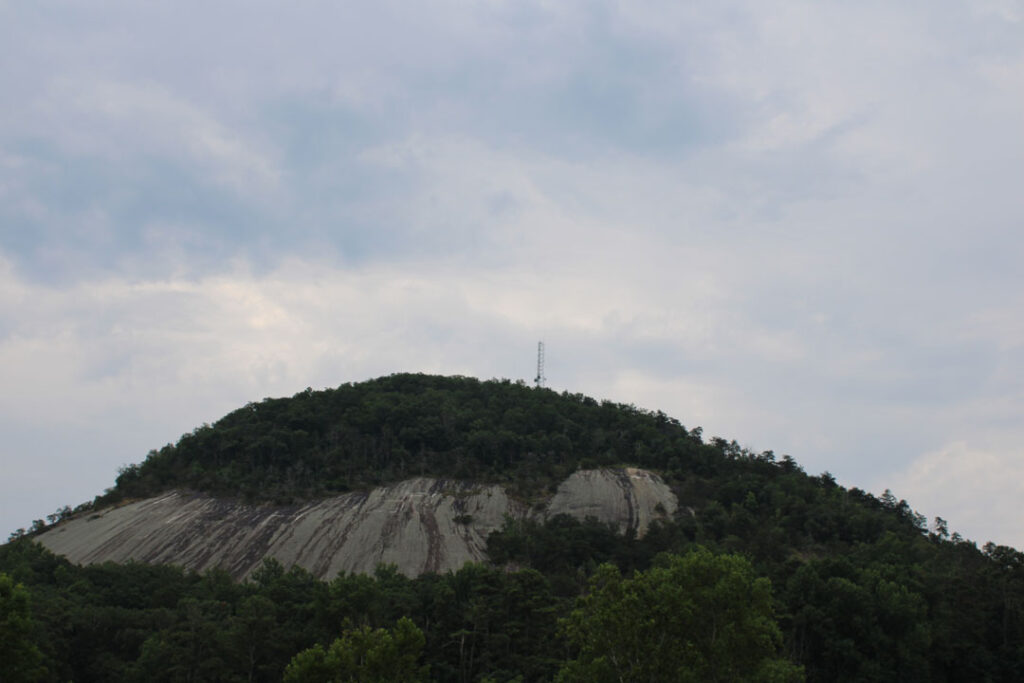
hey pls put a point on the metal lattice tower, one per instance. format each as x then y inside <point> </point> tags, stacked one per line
<point>539,380</point>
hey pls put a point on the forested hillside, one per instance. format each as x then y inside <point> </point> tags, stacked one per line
<point>807,577</point>
<point>362,435</point>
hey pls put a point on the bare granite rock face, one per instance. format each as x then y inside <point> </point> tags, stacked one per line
<point>630,498</point>
<point>420,525</point>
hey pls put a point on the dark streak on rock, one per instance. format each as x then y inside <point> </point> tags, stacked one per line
<point>435,542</point>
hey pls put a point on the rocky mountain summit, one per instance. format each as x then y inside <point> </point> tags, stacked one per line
<point>420,525</point>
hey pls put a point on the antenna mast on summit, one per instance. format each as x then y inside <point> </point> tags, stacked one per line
<point>539,380</point>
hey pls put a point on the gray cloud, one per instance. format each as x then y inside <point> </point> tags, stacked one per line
<point>795,226</point>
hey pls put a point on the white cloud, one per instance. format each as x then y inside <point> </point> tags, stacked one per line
<point>976,487</point>
<point>1011,11</point>
<point>119,120</point>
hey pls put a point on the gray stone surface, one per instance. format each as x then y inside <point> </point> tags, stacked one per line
<point>420,525</point>
<point>630,498</point>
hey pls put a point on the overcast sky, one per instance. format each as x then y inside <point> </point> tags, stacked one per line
<point>799,225</point>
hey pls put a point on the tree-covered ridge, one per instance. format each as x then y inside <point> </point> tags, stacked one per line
<point>361,435</point>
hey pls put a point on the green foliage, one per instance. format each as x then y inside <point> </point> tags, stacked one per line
<point>361,435</point>
<point>20,658</point>
<point>697,617</point>
<point>859,623</point>
<point>904,606</point>
<point>363,655</point>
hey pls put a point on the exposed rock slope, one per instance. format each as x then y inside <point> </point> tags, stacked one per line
<point>629,498</point>
<point>420,525</point>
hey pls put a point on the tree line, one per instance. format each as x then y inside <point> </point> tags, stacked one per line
<point>558,602</point>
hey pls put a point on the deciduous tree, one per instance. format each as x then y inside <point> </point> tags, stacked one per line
<point>365,655</point>
<point>699,617</point>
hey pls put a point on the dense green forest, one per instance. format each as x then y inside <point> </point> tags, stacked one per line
<point>792,575</point>
<point>362,435</point>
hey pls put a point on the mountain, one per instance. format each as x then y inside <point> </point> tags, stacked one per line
<point>324,479</point>
<point>254,539</point>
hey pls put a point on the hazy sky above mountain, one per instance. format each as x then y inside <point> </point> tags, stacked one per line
<point>797,225</point>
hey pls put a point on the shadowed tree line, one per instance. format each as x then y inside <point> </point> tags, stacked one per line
<point>908,609</point>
